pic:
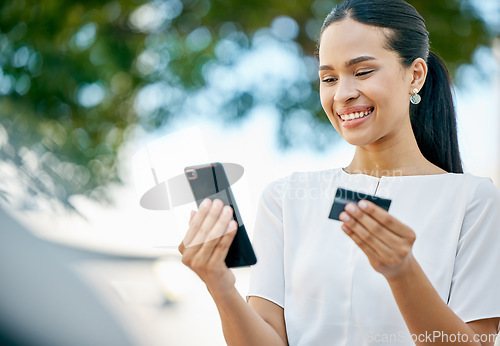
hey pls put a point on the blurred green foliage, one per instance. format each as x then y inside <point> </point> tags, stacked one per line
<point>71,73</point>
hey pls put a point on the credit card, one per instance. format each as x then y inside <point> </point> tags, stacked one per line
<point>344,196</point>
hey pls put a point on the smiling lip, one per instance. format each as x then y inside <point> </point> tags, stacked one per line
<point>355,116</point>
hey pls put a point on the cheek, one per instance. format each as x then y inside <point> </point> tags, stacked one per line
<point>322,96</point>
<point>390,93</point>
<point>387,94</point>
<point>394,101</point>
<point>326,99</point>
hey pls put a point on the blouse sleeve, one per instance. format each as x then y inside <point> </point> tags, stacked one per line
<point>267,276</point>
<point>476,277</point>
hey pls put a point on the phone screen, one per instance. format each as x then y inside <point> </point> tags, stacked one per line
<point>210,181</point>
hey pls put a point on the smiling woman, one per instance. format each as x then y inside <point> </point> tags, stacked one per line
<point>386,63</point>
<point>425,268</point>
<point>365,77</point>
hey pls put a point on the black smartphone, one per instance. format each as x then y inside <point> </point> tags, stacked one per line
<point>344,196</point>
<point>210,181</point>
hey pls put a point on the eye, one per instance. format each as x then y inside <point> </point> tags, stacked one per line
<point>329,80</point>
<point>363,73</point>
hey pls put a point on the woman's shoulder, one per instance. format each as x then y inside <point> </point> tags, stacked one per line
<point>473,186</point>
<point>481,188</point>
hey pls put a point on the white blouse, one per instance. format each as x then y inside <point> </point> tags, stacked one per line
<point>330,293</point>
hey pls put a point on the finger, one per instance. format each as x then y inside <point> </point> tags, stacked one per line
<point>371,225</point>
<point>181,246</point>
<point>193,213</point>
<point>205,232</point>
<point>215,235</point>
<point>369,252</point>
<point>364,238</point>
<point>219,228</point>
<point>385,264</point>
<point>384,218</point>
<point>221,249</point>
<point>196,222</point>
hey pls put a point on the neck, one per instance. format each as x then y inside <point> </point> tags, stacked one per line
<point>394,156</point>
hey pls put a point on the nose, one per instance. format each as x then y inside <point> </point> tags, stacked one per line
<point>345,91</point>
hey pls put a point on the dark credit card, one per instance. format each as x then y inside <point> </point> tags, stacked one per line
<point>343,196</point>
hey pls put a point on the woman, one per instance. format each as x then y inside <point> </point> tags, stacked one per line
<point>423,273</point>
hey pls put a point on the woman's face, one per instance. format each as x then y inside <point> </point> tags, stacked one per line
<point>361,78</point>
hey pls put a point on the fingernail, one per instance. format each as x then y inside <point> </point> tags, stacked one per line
<point>351,207</point>
<point>363,204</point>
<point>233,225</point>
<point>344,217</point>
<point>205,203</point>
<point>227,211</point>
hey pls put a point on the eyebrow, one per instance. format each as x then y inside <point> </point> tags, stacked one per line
<point>350,62</point>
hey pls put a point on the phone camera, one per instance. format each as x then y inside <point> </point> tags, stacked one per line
<point>191,174</point>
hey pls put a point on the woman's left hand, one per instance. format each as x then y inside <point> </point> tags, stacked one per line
<point>384,239</point>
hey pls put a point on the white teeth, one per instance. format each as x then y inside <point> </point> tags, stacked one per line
<point>353,116</point>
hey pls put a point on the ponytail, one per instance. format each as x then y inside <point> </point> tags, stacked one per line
<point>434,119</point>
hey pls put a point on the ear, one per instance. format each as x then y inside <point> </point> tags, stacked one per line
<point>418,70</point>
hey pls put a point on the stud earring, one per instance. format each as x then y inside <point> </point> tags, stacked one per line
<point>415,97</point>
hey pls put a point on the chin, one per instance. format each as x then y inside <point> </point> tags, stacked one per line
<point>358,141</point>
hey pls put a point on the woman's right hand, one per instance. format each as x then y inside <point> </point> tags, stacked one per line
<point>205,246</point>
<point>204,249</point>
